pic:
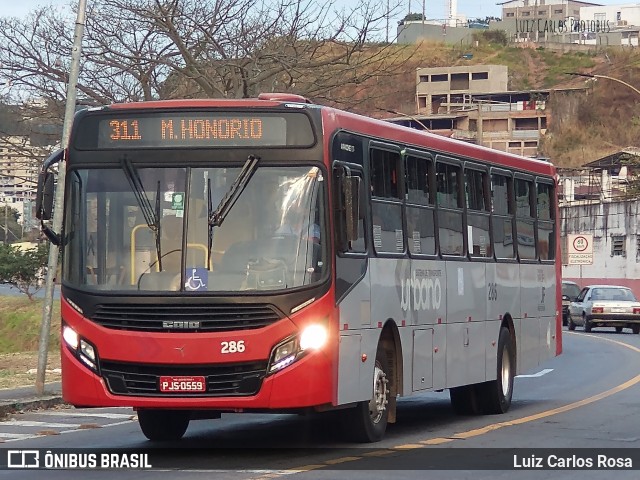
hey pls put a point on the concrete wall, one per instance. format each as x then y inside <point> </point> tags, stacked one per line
<point>605,221</point>
<point>415,32</point>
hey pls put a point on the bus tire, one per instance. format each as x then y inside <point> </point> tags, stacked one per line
<point>368,420</point>
<point>495,395</point>
<point>464,400</point>
<point>163,425</point>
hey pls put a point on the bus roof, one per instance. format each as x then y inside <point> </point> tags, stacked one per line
<point>334,119</point>
<point>338,119</point>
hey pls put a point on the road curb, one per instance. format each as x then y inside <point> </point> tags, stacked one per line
<point>22,405</point>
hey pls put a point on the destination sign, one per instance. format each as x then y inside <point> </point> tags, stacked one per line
<point>131,130</point>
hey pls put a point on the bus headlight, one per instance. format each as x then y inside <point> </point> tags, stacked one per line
<point>283,355</point>
<point>82,349</point>
<point>313,337</point>
<point>88,354</point>
<point>70,337</point>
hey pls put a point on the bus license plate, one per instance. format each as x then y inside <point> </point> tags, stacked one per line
<point>182,384</point>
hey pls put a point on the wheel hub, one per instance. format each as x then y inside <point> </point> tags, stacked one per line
<point>378,403</point>
<point>506,372</point>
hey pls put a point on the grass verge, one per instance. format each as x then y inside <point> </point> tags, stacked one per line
<point>20,322</point>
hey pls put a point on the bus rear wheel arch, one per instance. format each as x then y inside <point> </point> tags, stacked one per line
<point>494,396</point>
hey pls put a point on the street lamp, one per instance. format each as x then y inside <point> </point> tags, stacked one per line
<point>606,77</point>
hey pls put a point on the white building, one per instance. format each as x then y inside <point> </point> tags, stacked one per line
<point>614,16</point>
<point>598,202</point>
<point>19,163</point>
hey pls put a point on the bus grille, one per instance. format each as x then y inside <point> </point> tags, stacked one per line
<point>239,379</point>
<point>185,318</point>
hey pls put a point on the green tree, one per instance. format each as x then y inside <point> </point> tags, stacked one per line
<point>10,229</point>
<point>24,269</point>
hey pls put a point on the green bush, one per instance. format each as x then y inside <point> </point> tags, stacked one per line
<point>24,269</point>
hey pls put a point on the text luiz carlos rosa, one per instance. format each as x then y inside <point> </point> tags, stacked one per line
<point>571,461</point>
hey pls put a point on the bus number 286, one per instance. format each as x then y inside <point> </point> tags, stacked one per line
<point>493,291</point>
<point>232,346</point>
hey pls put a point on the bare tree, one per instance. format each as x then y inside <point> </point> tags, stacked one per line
<point>152,49</point>
<point>136,50</point>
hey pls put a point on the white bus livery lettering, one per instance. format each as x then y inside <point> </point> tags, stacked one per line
<point>426,291</point>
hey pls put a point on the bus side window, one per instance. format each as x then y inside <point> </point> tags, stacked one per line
<point>386,209</point>
<point>545,221</point>
<point>355,246</point>
<point>477,213</point>
<point>419,207</point>
<point>502,216</point>
<point>450,234</point>
<point>525,232</point>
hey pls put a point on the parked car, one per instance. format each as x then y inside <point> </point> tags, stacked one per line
<point>605,306</point>
<point>570,291</point>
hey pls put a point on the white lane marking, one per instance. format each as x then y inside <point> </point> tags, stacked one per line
<point>16,436</point>
<point>534,375</point>
<point>113,416</point>
<point>27,423</point>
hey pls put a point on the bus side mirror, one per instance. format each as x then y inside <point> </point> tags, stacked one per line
<point>44,198</point>
<point>351,187</point>
<point>45,195</point>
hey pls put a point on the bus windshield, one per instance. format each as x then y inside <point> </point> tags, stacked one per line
<point>153,234</point>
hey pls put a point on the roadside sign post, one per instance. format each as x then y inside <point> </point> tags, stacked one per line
<point>580,249</point>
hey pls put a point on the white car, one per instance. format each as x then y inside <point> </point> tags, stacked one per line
<point>605,306</point>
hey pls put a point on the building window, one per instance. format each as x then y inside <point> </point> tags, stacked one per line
<point>542,13</point>
<point>480,76</point>
<point>424,78</point>
<point>526,14</point>
<point>557,11</point>
<point>510,14</point>
<point>440,78</point>
<point>618,246</point>
<point>637,248</point>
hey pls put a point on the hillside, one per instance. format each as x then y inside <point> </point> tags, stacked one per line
<point>584,127</point>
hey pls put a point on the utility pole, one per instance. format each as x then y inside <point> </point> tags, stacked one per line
<point>606,77</point>
<point>70,109</point>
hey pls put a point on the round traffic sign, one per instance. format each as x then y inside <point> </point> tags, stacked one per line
<point>580,244</point>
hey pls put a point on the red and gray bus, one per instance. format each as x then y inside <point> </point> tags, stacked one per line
<point>275,255</point>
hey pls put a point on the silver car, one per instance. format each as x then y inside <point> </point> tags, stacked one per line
<point>605,306</point>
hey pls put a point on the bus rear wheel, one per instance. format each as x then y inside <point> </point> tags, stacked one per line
<point>367,422</point>
<point>495,395</point>
<point>163,425</point>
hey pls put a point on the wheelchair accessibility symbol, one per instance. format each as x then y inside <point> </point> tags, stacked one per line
<point>196,279</point>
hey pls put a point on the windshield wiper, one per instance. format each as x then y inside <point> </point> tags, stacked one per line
<point>217,216</point>
<point>151,216</point>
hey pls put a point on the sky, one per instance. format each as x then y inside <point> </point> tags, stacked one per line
<point>434,9</point>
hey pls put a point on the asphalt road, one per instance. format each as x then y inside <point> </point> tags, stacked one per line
<point>586,399</point>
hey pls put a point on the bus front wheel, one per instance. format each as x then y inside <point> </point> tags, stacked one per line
<point>368,420</point>
<point>163,425</point>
